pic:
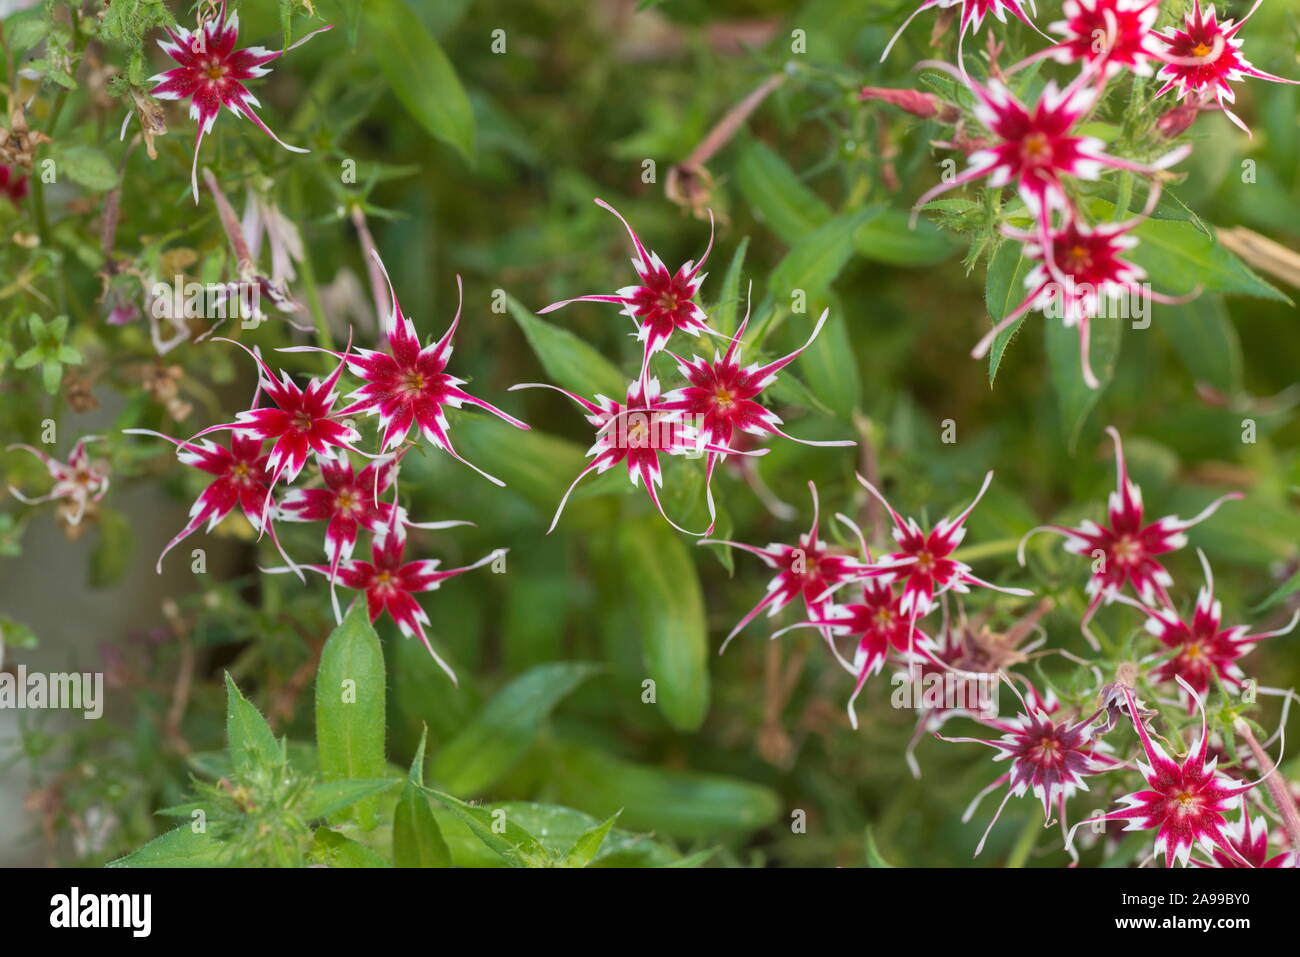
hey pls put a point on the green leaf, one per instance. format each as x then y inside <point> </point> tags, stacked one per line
<point>1180,258</point>
<point>1285,590</point>
<point>571,362</point>
<point>731,301</point>
<point>683,804</point>
<point>815,260</point>
<point>420,74</point>
<point>1004,290</point>
<point>179,847</point>
<point>586,847</point>
<point>663,585</point>
<point>335,850</point>
<point>1206,340</point>
<point>85,165</point>
<point>1074,399</point>
<point>417,839</point>
<point>250,740</point>
<point>535,465</point>
<point>887,237</point>
<point>327,799</point>
<point>350,706</point>
<point>830,365</point>
<point>495,740</point>
<point>777,195</point>
<point>874,858</point>
<point>496,829</point>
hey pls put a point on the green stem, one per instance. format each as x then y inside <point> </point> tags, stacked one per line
<point>1025,842</point>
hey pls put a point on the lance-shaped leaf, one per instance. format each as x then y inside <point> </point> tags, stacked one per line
<point>502,733</point>
<point>179,847</point>
<point>569,361</point>
<point>350,706</point>
<point>417,839</point>
<point>249,738</point>
<point>661,580</point>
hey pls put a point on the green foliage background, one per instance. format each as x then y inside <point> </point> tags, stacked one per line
<point>552,655</point>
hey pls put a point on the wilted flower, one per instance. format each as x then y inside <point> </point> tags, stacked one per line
<point>211,74</point>
<point>1127,550</point>
<point>663,302</point>
<point>1206,60</point>
<point>79,482</point>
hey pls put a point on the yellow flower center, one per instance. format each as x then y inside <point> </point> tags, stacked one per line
<point>1037,148</point>
<point>724,398</point>
<point>1201,49</point>
<point>1128,550</point>
<point>414,381</point>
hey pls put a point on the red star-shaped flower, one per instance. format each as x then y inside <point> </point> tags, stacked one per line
<point>1128,550</point>
<point>211,74</point>
<point>410,385</point>
<point>1206,60</point>
<point>662,303</point>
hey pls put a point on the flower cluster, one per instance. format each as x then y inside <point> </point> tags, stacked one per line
<point>896,589</point>
<point>286,425</point>
<point>704,417</point>
<point>1080,266</point>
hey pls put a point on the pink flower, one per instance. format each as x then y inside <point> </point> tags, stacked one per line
<point>350,502</point>
<point>1078,269</point>
<point>1033,149</point>
<point>1049,756</point>
<point>635,433</point>
<point>390,583</point>
<point>240,476</point>
<point>1203,649</point>
<point>1108,35</point>
<point>1206,60</point>
<point>925,105</point>
<point>1128,550</point>
<point>973,13</point>
<point>301,421</point>
<point>663,302</point>
<point>409,385</point>
<point>1184,803</point>
<point>721,394</point>
<point>924,562</point>
<point>1249,841</point>
<point>878,623</point>
<point>78,480</point>
<point>811,569</point>
<point>880,627</point>
<point>211,74</point>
